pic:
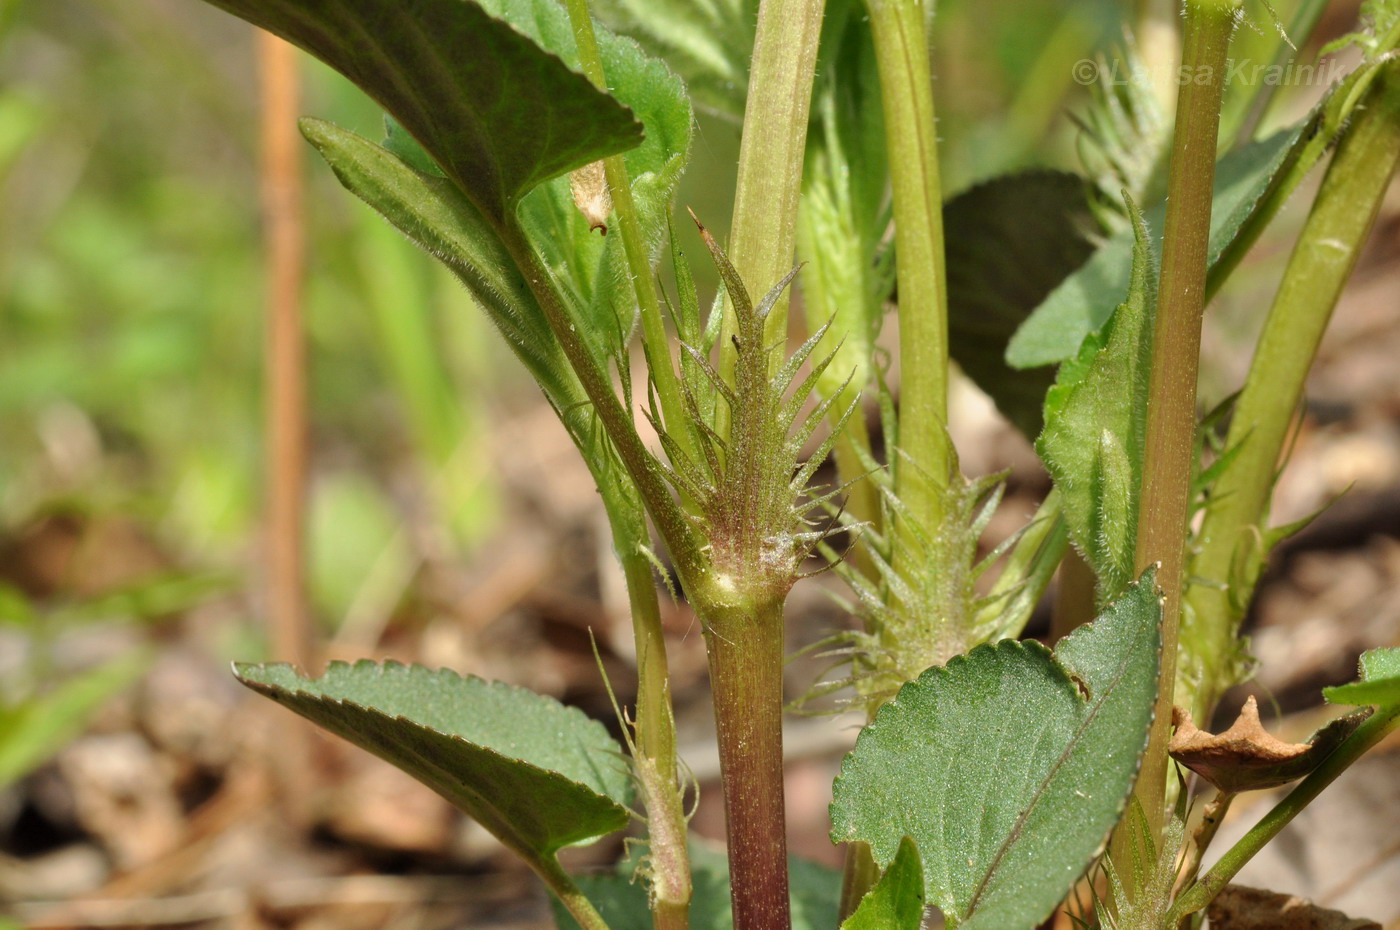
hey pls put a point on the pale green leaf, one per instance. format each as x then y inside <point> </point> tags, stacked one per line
<point>1009,766</point>
<point>1377,684</point>
<point>1096,426</point>
<point>497,112</point>
<point>897,900</point>
<point>535,773</point>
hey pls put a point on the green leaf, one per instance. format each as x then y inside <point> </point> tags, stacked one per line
<point>34,729</point>
<point>1378,682</point>
<point>535,773</point>
<point>709,44</point>
<point>897,900</point>
<point>621,896</point>
<point>432,212</point>
<point>1096,426</point>
<point>1011,241</point>
<point>593,269</point>
<point>1009,766</point>
<point>1080,305</point>
<point>497,112</point>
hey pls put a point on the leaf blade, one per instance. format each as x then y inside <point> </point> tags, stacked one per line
<point>1005,818</point>
<point>537,774</point>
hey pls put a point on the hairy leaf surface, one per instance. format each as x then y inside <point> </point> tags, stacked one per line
<point>1378,683</point>
<point>497,112</point>
<point>535,773</point>
<point>1009,766</point>
<point>897,900</point>
<point>1096,427</point>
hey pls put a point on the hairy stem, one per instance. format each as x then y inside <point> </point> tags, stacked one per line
<point>764,230</point>
<point>1171,423</point>
<point>1323,258</point>
<point>574,900</point>
<point>1204,891</point>
<point>906,89</point>
<point>745,642</point>
<point>654,340</point>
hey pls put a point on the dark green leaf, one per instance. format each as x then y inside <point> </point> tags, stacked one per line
<point>1011,241</point>
<point>535,773</point>
<point>1080,305</point>
<point>1377,684</point>
<point>1096,426</point>
<point>1009,766</point>
<point>497,112</point>
<point>897,900</point>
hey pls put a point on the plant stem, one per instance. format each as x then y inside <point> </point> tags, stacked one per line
<point>1203,892</point>
<point>654,340</point>
<point>673,526</point>
<point>1323,258</point>
<point>655,726</point>
<point>1171,423</point>
<point>745,642</point>
<point>570,896</point>
<point>764,230</point>
<point>1211,819</point>
<point>906,89</point>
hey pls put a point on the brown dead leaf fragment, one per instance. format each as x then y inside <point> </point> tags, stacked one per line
<point>591,195</point>
<point>1241,908</point>
<point>1246,757</point>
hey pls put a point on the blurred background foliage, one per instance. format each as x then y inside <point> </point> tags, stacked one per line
<point>131,331</point>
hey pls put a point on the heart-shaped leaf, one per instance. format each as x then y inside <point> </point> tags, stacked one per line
<point>1009,766</point>
<point>1378,684</point>
<point>497,112</point>
<point>535,773</point>
<point>897,900</point>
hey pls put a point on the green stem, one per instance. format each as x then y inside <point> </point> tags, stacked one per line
<point>655,727</point>
<point>1376,728</point>
<point>1171,422</point>
<point>745,642</point>
<point>570,896</point>
<point>1323,258</point>
<point>771,151</point>
<point>654,340</point>
<point>1211,819</point>
<point>1304,22</point>
<point>906,89</point>
<point>672,524</point>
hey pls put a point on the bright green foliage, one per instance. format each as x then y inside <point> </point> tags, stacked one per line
<point>1379,682</point>
<point>497,112</point>
<point>897,900</point>
<point>1010,242</point>
<point>1082,304</point>
<point>36,726</point>
<point>848,274</point>
<point>1154,871</point>
<point>622,900</point>
<point>535,773</point>
<point>708,43</point>
<point>1009,766</point>
<point>1095,427</point>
